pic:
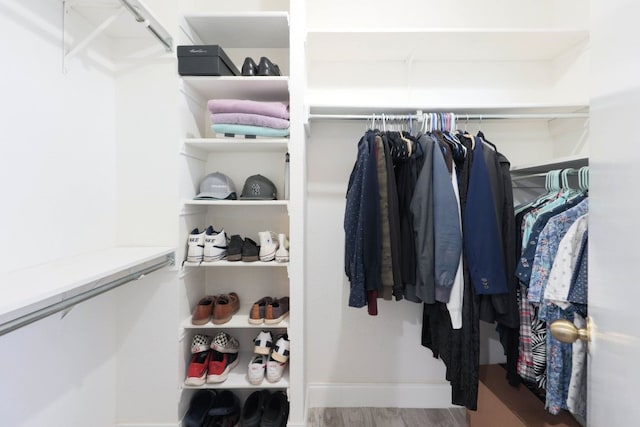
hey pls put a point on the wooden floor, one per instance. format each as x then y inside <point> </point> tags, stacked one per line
<point>386,417</point>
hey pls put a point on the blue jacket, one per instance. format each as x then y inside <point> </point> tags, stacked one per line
<point>362,224</point>
<point>483,248</point>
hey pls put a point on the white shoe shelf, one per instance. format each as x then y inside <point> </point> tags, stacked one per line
<point>237,378</point>
<point>202,152</point>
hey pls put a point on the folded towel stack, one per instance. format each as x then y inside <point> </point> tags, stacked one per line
<point>249,118</point>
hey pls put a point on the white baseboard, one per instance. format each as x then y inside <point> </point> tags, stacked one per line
<point>346,395</point>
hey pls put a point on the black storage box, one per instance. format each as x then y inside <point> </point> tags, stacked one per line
<point>205,60</point>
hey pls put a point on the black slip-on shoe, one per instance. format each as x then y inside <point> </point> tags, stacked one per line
<point>267,68</point>
<point>199,408</point>
<point>253,408</point>
<point>276,411</point>
<point>225,410</point>
<point>249,67</point>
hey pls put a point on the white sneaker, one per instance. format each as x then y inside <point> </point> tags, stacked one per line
<point>263,343</point>
<point>281,347</point>
<point>275,370</point>
<point>195,246</point>
<point>282,254</point>
<point>215,245</point>
<point>257,366</point>
<point>268,245</point>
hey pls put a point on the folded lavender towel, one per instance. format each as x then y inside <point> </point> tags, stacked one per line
<point>249,119</point>
<point>271,109</point>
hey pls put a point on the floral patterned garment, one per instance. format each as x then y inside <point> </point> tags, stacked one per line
<point>547,249</point>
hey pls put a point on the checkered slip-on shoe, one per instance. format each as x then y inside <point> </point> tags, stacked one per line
<point>225,343</point>
<point>200,343</point>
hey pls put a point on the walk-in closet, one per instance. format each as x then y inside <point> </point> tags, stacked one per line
<point>183,247</point>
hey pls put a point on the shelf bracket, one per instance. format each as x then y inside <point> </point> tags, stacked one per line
<point>140,13</point>
<point>95,33</point>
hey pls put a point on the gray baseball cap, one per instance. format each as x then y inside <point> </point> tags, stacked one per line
<point>258,187</point>
<point>217,186</point>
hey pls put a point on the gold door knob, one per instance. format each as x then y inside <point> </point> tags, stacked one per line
<point>566,332</point>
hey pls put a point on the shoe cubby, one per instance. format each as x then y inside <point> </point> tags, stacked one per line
<point>237,378</point>
<point>241,33</point>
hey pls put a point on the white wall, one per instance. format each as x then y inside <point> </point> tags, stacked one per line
<point>57,155</point>
<point>147,137</point>
<point>148,143</point>
<point>85,163</point>
<point>57,178</point>
<point>61,372</point>
<point>147,355</point>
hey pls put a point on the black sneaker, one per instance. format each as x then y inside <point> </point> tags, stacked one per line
<point>250,250</point>
<point>234,248</point>
<point>276,411</point>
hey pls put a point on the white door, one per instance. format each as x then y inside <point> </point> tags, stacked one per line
<point>614,214</point>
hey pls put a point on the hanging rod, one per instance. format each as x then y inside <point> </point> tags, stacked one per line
<point>528,176</point>
<point>459,116</point>
<point>144,16</point>
<point>571,171</point>
<point>139,11</point>
<point>36,315</point>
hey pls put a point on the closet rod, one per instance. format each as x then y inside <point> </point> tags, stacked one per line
<point>459,116</point>
<point>531,175</point>
<point>142,15</point>
<point>33,316</point>
<point>537,175</point>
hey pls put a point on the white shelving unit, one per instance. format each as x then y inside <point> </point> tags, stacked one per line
<point>240,264</point>
<point>239,30</point>
<point>238,321</point>
<point>278,145</point>
<point>240,34</point>
<point>257,88</point>
<point>238,379</point>
<point>242,203</point>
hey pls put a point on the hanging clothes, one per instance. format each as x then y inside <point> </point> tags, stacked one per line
<point>553,257</point>
<point>422,216</point>
<point>459,349</point>
<point>435,211</point>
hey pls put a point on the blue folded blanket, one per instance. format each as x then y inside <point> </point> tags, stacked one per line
<point>250,130</point>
